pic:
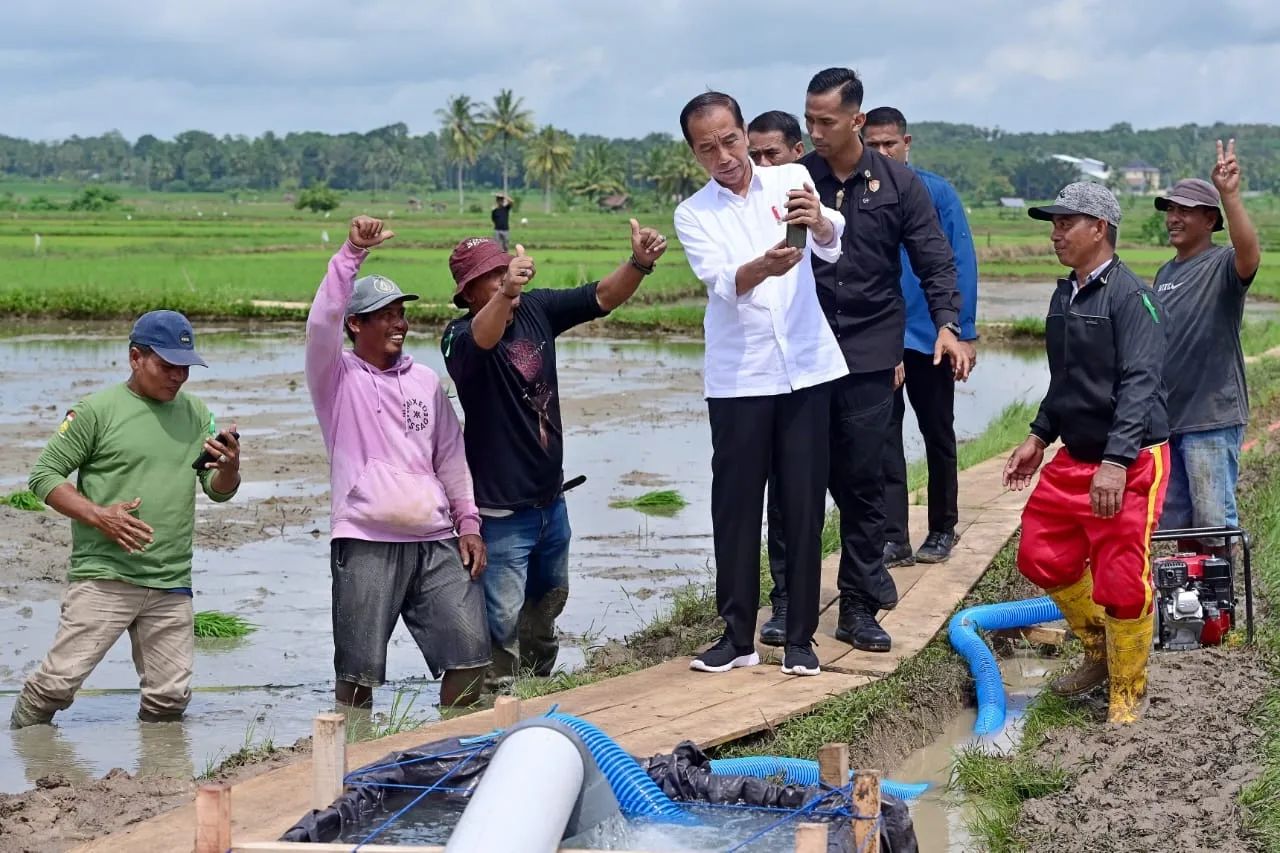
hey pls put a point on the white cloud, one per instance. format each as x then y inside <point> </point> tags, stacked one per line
<point>245,66</point>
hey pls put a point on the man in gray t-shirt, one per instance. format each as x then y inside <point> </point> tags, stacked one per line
<point>1203,290</point>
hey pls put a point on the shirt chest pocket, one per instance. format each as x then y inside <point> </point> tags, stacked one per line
<point>875,217</point>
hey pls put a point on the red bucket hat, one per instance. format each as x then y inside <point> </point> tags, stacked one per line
<point>472,258</point>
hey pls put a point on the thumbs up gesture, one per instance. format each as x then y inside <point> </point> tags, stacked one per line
<point>519,273</point>
<point>647,245</point>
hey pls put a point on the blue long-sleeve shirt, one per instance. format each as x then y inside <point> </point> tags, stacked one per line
<point>921,332</point>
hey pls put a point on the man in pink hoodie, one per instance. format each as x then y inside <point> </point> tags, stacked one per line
<point>404,525</point>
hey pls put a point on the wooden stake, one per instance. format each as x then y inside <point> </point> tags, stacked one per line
<point>328,759</point>
<point>866,802</point>
<point>506,711</point>
<point>213,818</point>
<point>833,764</point>
<point>811,838</point>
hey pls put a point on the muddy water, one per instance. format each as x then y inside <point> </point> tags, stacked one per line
<point>635,421</point>
<point>939,814</point>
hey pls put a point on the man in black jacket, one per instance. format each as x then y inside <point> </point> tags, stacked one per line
<point>1086,529</point>
<point>887,209</point>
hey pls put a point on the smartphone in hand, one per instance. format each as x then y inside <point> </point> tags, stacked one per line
<point>206,457</point>
<point>797,236</point>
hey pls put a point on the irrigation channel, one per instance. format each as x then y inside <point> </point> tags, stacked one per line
<point>635,421</point>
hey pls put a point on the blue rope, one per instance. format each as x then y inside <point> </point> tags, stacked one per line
<point>875,831</point>
<point>386,823</point>
<point>809,808</point>
<point>834,812</point>
<point>354,775</point>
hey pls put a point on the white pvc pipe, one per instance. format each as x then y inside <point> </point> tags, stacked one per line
<point>525,798</point>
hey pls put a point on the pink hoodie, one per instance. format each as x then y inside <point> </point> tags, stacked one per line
<point>397,468</point>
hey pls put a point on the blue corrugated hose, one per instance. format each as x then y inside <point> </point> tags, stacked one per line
<point>982,663</point>
<point>637,794</point>
<point>801,771</point>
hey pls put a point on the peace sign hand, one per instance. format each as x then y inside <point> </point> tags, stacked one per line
<point>1226,174</point>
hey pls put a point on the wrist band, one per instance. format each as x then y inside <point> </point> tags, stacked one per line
<point>643,269</point>
<point>1040,441</point>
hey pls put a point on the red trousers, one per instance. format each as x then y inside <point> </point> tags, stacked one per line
<point>1061,537</point>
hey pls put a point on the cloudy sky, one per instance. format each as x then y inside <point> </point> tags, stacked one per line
<point>625,69</point>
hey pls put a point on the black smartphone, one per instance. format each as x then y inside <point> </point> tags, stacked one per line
<point>797,236</point>
<point>206,457</point>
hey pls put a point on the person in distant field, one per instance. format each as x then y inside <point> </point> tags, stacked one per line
<point>771,364</point>
<point>1203,290</point>
<point>887,208</point>
<point>773,139</point>
<point>930,386</point>
<point>501,216</point>
<point>405,530</point>
<point>502,358</point>
<point>1086,529</point>
<point>132,512</point>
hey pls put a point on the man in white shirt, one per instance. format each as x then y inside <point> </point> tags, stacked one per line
<point>770,360</point>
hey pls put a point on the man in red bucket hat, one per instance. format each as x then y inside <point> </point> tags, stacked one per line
<point>502,359</point>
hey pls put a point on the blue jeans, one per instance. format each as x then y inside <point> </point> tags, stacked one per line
<point>526,585</point>
<point>1203,468</point>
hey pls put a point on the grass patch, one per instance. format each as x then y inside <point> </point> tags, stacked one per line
<point>996,786</point>
<point>662,502</point>
<point>25,499</point>
<point>251,751</point>
<point>1260,503</point>
<point>214,624</point>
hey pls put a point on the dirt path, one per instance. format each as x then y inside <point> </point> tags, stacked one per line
<point>1170,782</point>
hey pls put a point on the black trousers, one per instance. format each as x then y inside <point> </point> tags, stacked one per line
<point>861,412</point>
<point>932,391</point>
<point>788,435</point>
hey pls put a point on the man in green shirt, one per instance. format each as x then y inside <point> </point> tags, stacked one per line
<point>132,514</point>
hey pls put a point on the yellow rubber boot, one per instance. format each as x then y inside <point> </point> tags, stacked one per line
<point>1128,650</point>
<point>1087,622</point>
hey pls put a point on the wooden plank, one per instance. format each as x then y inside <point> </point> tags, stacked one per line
<point>866,804</point>
<point>833,764</point>
<point>811,838</point>
<point>506,711</point>
<point>1037,634</point>
<point>328,758</point>
<point>213,818</point>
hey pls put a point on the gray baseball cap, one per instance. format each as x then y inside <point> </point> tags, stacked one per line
<point>1193,192</point>
<point>1082,197</point>
<point>375,291</point>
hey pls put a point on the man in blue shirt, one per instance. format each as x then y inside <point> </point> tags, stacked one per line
<point>931,387</point>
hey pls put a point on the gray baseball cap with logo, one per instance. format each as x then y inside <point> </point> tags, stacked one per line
<point>1082,197</point>
<point>375,291</point>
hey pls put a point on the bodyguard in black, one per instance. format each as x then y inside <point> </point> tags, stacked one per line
<point>885,206</point>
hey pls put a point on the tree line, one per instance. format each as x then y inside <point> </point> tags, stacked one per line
<point>497,144</point>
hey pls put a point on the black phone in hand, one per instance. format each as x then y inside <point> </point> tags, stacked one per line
<point>797,236</point>
<point>206,457</point>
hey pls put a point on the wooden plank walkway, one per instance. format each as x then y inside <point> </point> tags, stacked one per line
<point>652,710</point>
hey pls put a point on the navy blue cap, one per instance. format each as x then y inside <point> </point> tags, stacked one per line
<point>169,335</point>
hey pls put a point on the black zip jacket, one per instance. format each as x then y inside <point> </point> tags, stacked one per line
<point>1106,398</point>
<point>886,209</point>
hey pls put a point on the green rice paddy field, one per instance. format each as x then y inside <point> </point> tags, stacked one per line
<point>213,255</point>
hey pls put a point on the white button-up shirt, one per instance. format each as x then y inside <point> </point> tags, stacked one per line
<point>774,338</point>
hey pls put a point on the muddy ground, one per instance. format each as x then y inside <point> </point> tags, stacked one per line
<point>1170,782</point>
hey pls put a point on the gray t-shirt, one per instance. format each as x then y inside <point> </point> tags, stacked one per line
<point>1204,301</point>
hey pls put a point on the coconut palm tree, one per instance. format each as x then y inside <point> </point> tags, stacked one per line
<point>547,159</point>
<point>674,170</point>
<point>505,121</point>
<point>599,172</point>
<point>460,130</point>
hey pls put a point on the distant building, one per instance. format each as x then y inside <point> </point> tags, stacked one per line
<point>1141,177</point>
<point>1012,202</point>
<point>1087,167</point>
<point>614,202</point>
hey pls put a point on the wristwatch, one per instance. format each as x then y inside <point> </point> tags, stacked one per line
<point>952,327</point>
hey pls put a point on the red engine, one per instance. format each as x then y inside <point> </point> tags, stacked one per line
<point>1195,600</point>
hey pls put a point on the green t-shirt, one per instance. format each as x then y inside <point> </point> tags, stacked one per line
<point>125,446</point>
